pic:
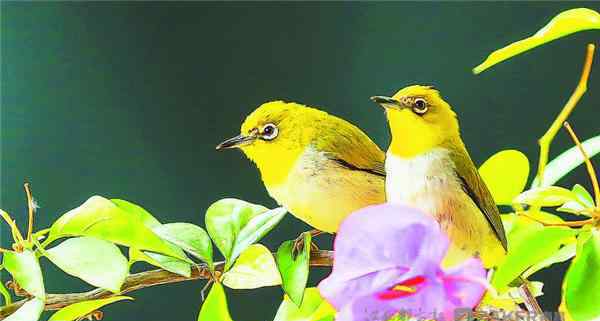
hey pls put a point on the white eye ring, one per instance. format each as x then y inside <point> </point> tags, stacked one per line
<point>269,132</point>
<point>420,106</point>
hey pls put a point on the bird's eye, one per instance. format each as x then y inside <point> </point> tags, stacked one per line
<point>420,106</point>
<point>269,132</point>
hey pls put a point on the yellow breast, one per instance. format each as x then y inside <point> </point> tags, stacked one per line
<point>321,192</point>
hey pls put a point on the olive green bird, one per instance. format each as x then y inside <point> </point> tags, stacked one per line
<point>318,166</point>
<point>429,168</point>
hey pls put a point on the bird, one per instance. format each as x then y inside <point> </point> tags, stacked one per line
<point>428,167</point>
<point>320,167</point>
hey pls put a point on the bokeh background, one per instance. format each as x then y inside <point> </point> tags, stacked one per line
<point>129,99</point>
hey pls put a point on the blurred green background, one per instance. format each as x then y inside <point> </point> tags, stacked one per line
<point>129,99</point>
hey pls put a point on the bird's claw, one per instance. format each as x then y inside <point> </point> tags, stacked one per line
<point>299,243</point>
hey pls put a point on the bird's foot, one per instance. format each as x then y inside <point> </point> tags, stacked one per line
<point>299,242</point>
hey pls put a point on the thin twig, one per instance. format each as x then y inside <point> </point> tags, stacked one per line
<point>588,164</point>
<point>530,301</point>
<point>143,280</point>
<point>30,209</point>
<point>570,224</point>
<point>581,88</point>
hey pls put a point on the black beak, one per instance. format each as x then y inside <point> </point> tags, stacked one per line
<point>385,101</point>
<point>236,141</point>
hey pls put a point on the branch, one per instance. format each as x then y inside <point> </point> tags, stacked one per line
<point>588,164</point>
<point>144,280</point>
<point>581,88</point>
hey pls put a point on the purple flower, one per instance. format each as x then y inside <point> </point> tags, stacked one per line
<point>387,262</point>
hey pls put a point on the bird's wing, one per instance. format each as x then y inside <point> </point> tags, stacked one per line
<point>474,186</point>
<point>375,169</point>
<point>353,149</point>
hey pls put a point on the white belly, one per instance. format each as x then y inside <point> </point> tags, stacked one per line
<point>428,182</point>
<point>423,181</point>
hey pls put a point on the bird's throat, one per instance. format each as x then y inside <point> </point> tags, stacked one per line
<point>410,136</point>
<point>274,167</point>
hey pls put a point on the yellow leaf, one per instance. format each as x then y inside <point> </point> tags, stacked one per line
<point>490,301</point>
<point>215,307</point>
<point>324,310</point>
<point>254,268</point>
<point>313,308</point>
<point>505,174</point>
<point>565,23</point>
<point>81,309</point>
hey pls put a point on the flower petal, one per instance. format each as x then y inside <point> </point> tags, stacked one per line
<point>340,291</point>
<point>386,236</point>
<point>464,285</point>
<point>425,305</point>
<point>380,246</point>
<point>387,261</point>
<point>366,308</point>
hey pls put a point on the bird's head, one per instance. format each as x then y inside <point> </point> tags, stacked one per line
<point>419,120</point>
<point>274,136</point>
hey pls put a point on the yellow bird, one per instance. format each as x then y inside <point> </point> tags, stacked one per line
<point>318,166</point>
<point>428,167</point>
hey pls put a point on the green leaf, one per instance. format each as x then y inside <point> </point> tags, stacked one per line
<point>81,309</point>
<point>565,253</point>
<point>572,207</point>
<point>191,238</point>
<point>30,311</point>
<point>505,174</point>
<point>4,291</point>
<point>88,258</point>
<point>583,205</point>
<point>140,213</point>
<point>581,288</point>
<point>164,262</point>
<point>254,268</point>
<point>567,161</point>
<point>294,271</point>
<point>583,202</point>
<point>225,218</point>
<point>215,306</point>
<point>313,308</point>
<point>235,224</point>
<point>583,195</point>
<point>25,270</point>
<point>565,23</point>
<point>101,218</point>
<point>584,235</point>
<point>545,196</point>
<point>254,230</point>
<point>529,243</point>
